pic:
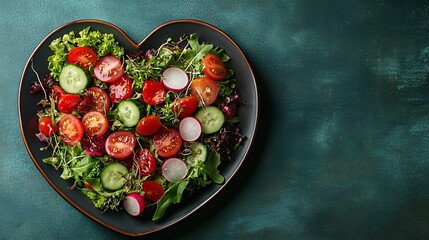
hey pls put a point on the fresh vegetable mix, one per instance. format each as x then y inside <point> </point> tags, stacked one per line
<point>136,130</point>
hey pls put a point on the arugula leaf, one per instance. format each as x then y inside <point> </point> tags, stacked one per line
<point>173,195</point>
<point>210,167</point>
<point>80,169</point>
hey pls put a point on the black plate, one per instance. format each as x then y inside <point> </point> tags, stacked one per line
<point>121,221</point>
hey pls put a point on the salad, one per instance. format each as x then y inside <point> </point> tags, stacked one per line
<point>137,130</point>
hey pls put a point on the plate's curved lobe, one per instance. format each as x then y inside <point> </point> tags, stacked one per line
<point>121,221</point>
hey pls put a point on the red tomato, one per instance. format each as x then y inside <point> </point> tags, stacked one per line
<point>87,185</point>
<point>84,56</point>
<point>153,92</point>
<point>70,129</point>
<point>214,68</point>
<point>121,89</point>
<point>153,191</point>
<point>120,144</point>
<point>46,127</point>
<point>205,90</point>
<point>99,98</point>
<point>148,125</point>
<point>108,69</point>
<point>167,142</point>
<point>57,92</point>
<point>95,123</point>
<point>146,161</point>
<point>68,102</point>
<point>184,107</point>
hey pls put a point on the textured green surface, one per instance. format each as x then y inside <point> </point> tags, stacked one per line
<point>343,145</point>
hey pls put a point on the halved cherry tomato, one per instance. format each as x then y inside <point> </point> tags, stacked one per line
<point>120,144</point>
<point>68,102</point>
<point>84,56</point>
<point>70,129</point>
<point>121,89</point>
<point>95,123</point>
<point>184,107</point>
<point>99,98</point>
<point>46,127</point>
<point>146,161</point>
<point>153,92</point>
<point>153,191</point>
<point>87,185</point>
<point>167,142</point>
<point>57,92</point>
<point>205,90</point>
<point>108,69</point>
<point>214,68</point>
<point>148,125</point>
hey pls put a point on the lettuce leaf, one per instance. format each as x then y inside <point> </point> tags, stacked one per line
<point>173,195</point>
<point>211,165</point>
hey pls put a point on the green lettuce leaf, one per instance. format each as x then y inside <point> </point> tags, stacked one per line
<point>211,165</point>
<point>173,195</point>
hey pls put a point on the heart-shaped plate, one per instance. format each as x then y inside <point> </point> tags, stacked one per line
<point>121,221</point>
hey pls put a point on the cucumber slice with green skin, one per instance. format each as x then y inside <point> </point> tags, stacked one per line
<point>73,79</point>
<point>198,153</point>
<point>129,112</point>
<point>112,176</point>
<point>211,119</point>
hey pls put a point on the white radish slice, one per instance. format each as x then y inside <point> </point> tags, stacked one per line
<point>190,129</point>
<point>134,204</point>
<point>174,169</point>
<point>175,79</point>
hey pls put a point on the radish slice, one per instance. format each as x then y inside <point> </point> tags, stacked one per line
<point>190,129</point>
<point>175,79</point>
<point>174,169</point>
<point>134,204</point>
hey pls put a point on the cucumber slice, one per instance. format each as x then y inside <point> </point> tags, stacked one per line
<point>72,79</point>
<point>211,119</point>
<point>198,153</point>
<point>128,113</point>
<point>112,176</point>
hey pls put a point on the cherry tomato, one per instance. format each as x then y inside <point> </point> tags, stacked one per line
<point>214,68</point>
<point>121,89</point>
<point>46,127</point>
<point>120,144</point>
<point>84,56</point>
<point>184,107</point>
<point>87,185</point>
<point>153,92</point>
<point>70,129</point>
<point>148,125</point>
<point>95,123</point>
<point>68,102</point>
<point>108,69</point>
<point>146,161</point>
<point>99,98</point>
<point>153,191</point>
<point>205,90</point>
<point>167,142</point>
<point>57,92</point>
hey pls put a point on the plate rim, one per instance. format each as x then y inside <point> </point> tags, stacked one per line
<point>137,45</point>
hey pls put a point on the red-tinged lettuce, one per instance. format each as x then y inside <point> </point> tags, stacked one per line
<point>46,83</point>
<point>226,141</point>
<point>94,146</point>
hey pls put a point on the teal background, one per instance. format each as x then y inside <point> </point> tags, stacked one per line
<point>342,150</point>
